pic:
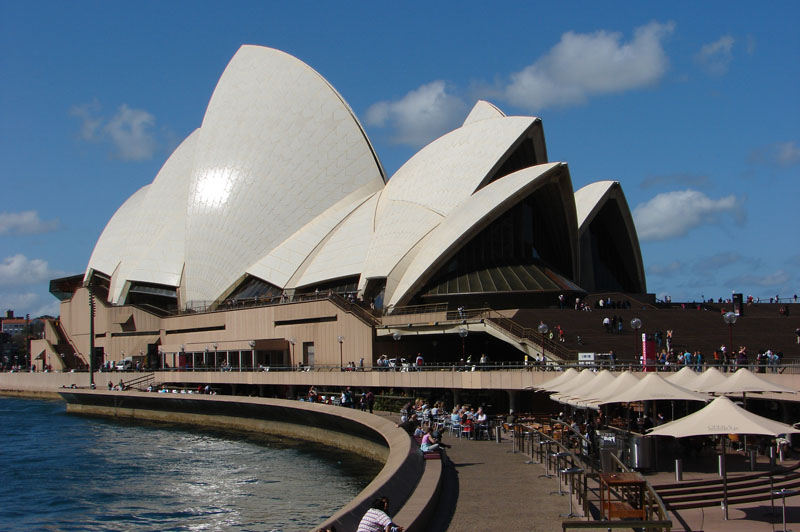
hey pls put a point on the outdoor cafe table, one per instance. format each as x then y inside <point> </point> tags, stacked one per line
<point>631,487</point>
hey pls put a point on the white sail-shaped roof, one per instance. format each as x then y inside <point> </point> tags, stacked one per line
<point>482,111</point>
<point>154,252</point>
<point>278,146</point>
<point>108,251</point>
<point>473,214</point>
<point>342,254</point>
<point>427,188</point>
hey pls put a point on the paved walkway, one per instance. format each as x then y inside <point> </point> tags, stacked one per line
<point>487,487</point>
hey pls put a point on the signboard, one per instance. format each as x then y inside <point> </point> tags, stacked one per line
<point>649,360</point>
<point>586,359</point>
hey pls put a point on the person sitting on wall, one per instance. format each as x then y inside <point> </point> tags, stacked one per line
<point>377,520</point>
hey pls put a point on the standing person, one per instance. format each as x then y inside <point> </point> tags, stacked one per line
<point>377,519</point>
<point>370,400</point>
<point>419,362</point>
<point>312,394</point>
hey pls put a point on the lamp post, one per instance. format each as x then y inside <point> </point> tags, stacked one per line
<point>543,328</point>
<point>205,357</point>
<point>340,339</point>
<point>182,356</point>
<point>214,345</point>
<point>636,324</point>
<point>292,341</point>
<point>252,356</point>
<point>730,319</point>
<point>463,332</point>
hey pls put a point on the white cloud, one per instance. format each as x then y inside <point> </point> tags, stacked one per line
<point>421,115</point>
<point>787,153</point>
<point>674,214</point>
<point>19,303</point>
<point>777,279</point>
<point>51,308</point>
<point>25,223</point>
<point>716,56</point>
<point>128,131</point>
<point>665,270</point>
<point>20,270</point>
<point>29,303</point>
<point>581,65</point>
<point>779,153</point>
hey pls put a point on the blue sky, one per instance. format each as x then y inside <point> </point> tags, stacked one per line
<point>693,107</point>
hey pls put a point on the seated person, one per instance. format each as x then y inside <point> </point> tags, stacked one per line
<point>430,443</point>
<point>410,425</point>
<point>377,520</point>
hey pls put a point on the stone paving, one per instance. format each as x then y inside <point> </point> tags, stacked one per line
<point>488,487</point>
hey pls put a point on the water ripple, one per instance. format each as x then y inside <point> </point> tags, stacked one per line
<point>70,473</point>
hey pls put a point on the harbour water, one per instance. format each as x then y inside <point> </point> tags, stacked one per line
<point>61,472</point>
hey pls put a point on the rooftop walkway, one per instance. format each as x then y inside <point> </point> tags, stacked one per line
<point>488,487</point>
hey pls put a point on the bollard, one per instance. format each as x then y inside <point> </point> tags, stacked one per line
<point>497,430</point>
<point>678,470</point>
<point>752,459</point>
<point>781,452</point>
<point>772,457</point>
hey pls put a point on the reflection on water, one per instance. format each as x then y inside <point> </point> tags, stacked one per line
<point>62,472</point>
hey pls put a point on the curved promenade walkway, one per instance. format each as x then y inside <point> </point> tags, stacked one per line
<point>487,487</point>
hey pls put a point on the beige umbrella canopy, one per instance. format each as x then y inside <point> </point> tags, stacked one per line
<point>686,377</point>
<point>744,381</point>
<point>581,379</point>
<point>653,388</point>
<point>598,384</point>
<point>722,416</point>
<point>564,377</point>
<point>710,378</point>
<point>624,381</point>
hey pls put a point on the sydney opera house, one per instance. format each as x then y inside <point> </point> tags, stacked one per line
<point>273,237</point>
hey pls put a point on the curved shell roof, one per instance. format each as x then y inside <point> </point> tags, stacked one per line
<point>154,252</point>
<point>589,201</point>
<point>475,213</point>
<point>280,182</point>
<point>482,111</point>
<point>432,183</point>
<point>118,231</point>
<point>278,146</point>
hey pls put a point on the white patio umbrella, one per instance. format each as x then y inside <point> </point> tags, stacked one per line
<point>722,417</point>
<point>654,387</point>
<point>709,378</point>
<point>581,379</point>
<point>744,381</point>
<point>686,377</point>
<point>598,384</point>
<point>624,381</point>
<point>564,377</point>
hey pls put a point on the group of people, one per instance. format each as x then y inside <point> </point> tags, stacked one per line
<point>765,360</point>
<point>347,398</point>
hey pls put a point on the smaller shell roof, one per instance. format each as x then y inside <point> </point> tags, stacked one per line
<point>429,186</point>
<point>588,197</point>
<point>483,110</point>
<point>107,252</point>
<point>474,213</point>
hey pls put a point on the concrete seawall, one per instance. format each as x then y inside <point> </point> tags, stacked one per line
<point>371,436</point>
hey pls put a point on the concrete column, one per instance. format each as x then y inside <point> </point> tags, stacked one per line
<point>513,400</point>
<point>456,396</point>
